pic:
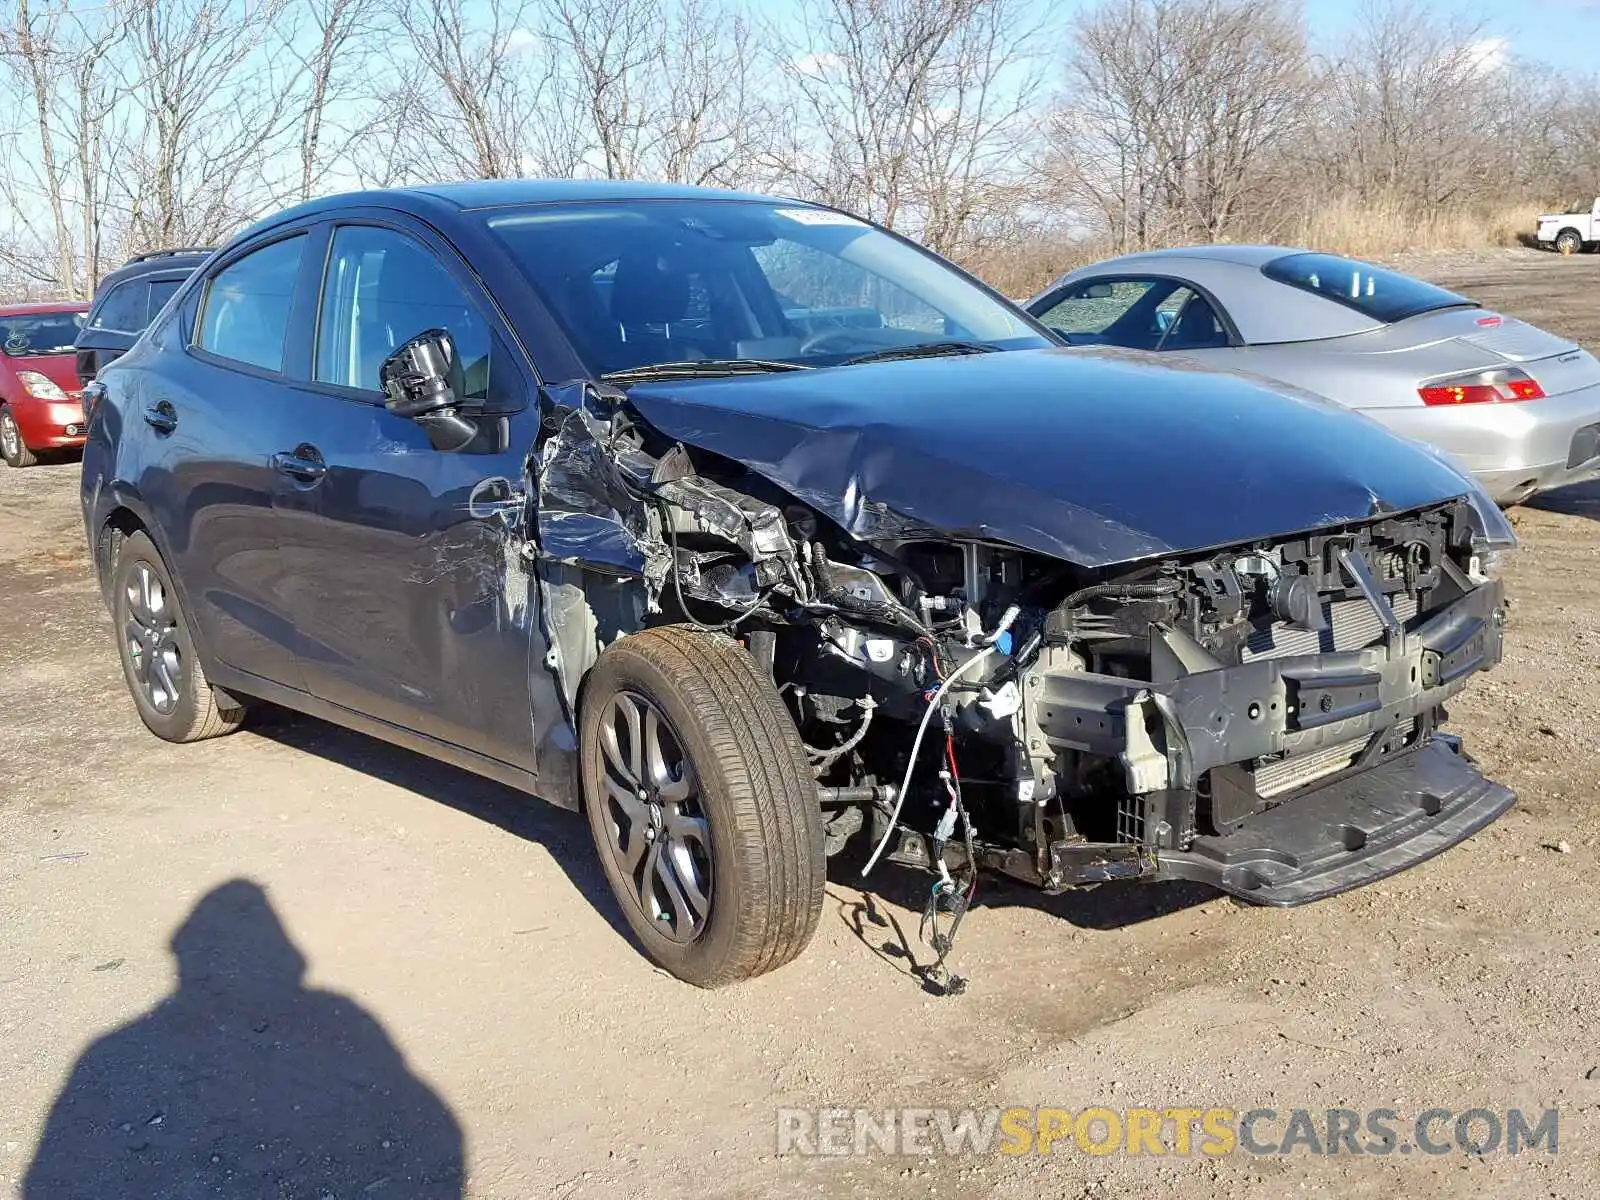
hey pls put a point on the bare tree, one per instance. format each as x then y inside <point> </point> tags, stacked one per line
<point>659,90</point>
<point>477,99</point>
<point>61,59</point>
<point>339,32</point>
<point>971,143</point>
<point>1172,110</point>
<point>1410,96</point>
<point>33,49</point>
<point>910,112</point>
<point>213,89</point>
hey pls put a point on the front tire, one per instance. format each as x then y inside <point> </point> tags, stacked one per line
<point>12,448</point>
<point>701,804</point>
<point>159,662</point>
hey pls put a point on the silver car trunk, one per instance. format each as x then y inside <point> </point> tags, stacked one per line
<point>1559,366</point>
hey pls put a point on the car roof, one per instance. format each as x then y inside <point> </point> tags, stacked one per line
<point>1263,310</point>
<point>446,198</point>
<point>1244,256</point>
<point>43,306</point>
<point>159,262</point>
<point>497,193</point>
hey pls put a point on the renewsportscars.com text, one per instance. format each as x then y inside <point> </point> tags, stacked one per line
<point>1214,1131</point>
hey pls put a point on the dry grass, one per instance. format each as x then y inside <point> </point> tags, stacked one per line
<point>1375,230</point>
<point>1372,229</point>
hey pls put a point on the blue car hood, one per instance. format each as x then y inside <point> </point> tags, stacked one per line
<point>1094,457</point>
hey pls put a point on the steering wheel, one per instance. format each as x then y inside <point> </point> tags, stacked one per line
<point>841,339</point>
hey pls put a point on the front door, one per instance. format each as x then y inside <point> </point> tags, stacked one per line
<point>410,594</point>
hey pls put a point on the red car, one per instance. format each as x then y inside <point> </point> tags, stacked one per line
<point>41,404</point>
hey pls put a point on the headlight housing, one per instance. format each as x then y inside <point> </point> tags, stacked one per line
<point>41,386</point>
<point>1493,539</point>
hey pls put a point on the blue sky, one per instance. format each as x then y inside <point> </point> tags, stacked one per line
<point>1563,33</point>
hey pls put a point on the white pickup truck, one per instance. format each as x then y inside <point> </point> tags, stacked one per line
<point>1571,232</point>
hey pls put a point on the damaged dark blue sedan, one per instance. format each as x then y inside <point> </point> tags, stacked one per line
<point>761,534</point>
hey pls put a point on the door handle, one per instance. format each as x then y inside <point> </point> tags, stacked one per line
<point>304,463</point>
<point>161,416</point>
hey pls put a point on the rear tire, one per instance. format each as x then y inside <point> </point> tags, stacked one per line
<point>159,662</point>
<point>1569,241</point>
<point>703,809</point>
<point>12,448</point>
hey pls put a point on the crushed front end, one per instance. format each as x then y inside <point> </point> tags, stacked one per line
<point>1264,717</point>
<point>1275,719</point>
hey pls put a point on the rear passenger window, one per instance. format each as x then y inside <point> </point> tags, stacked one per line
<point>245,316</point>
<point>122,310</point>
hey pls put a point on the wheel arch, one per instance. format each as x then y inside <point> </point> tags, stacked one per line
<point>122,516</point>
<point>112,530</point>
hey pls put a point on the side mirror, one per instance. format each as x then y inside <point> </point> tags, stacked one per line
<point>419,382</point>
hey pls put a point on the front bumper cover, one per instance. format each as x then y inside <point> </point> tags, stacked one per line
<point>1352,832</point>
<point>1369,821</point>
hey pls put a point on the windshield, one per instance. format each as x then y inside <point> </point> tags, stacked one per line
<point>40,334</point>
<point>644,282</point>
<point>1386,296</point>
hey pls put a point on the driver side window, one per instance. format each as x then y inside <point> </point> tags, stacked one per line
<point>1137,314</point>
<point>1095,305</point>
<point>382,289</point>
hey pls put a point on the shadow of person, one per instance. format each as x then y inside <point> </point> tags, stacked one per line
<point>246,1083</point>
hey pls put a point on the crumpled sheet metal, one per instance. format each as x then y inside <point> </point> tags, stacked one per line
<point>1093,459</point>
<point>587,511</point>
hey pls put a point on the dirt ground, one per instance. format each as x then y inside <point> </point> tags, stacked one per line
<point>469,1002</point>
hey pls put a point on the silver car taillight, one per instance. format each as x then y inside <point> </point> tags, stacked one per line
<point>1482,387</point>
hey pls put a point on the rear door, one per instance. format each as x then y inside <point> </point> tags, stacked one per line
<point>403,566</point>
<point>205,427</point>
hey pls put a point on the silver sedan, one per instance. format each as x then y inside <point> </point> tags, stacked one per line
<point>1518,407</point>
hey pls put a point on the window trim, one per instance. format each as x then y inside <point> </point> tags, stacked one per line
<point>196,310</point>
<point>1054,297</point>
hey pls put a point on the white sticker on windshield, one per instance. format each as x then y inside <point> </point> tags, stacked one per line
<point>818,216</point>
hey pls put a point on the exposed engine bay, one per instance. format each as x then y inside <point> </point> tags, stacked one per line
<point>968,705</point>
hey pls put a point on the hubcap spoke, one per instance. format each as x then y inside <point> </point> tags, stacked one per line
<point>634,850</point>
<point>645,881</point>
<point>138,651</point>
<point>677,791</point>
<point>681,828</point>
<point>164,668</point>
<point>686,874</point>
<point>623,722</point>
<point>151,637</point>
<point>627,800</point>
<point>659,837</point>
<point>688,904</point>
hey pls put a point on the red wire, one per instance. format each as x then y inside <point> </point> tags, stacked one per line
<point>955,775</point>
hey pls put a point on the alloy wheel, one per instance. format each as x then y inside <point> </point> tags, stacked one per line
<point>10,437</point>
<point>656,830</point>
<point>150,638</point>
